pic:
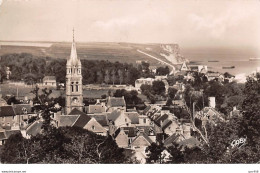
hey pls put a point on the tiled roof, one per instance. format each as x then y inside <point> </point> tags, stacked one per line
<point>130,131</point>
<point>82,120</point>
<point>68,120</point>
<point>34,128</point>
<point>133,116</point>
<point>116,101</point>
<point>191,142</point>
<point>48,78</point>
<point>145,136</point>
<point>21,108</point>
<point>147,129</point>
<point>166,125</point>
<point>160,119</point>
<point>175,138</point>
<point>6,111</point>
<point>101,119</point>
<point>96,109</point>
<point>146,110</point>
<point>113,115</point>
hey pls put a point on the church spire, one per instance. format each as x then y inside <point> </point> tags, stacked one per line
<point>73,59</point>
<point>73,35</point>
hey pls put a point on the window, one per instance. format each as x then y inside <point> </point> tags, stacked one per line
<point>144,120</point>
<point>125,120</point>
<point>77,87</point>
<point>72,89</point>
<point>93,127</point>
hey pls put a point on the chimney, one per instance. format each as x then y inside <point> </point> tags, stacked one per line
<point>234,108</point>
<point>212,102</point>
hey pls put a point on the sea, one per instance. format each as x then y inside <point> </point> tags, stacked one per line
<point>217,58</point>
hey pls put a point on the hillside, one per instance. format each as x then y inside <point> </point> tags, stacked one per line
<point>122,52</point>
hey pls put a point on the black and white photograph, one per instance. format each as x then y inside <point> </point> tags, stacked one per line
<point>173,82</point>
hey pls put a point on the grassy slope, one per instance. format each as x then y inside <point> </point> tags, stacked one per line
<point>122,52</point>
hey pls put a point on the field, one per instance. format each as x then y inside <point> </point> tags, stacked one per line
<point>25,90</point>
<point>122,52</point>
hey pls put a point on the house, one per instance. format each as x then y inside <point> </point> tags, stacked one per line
<point>124,136</point>
<point>8,117</point>
<point>173,139</point>
<point>89,123</point>
<point>179,103</point>
<point>33,129</point>
<point>23,113</point>
<point>134,117</point>
<point>208,114</point>
<point>140,143</point>
<point>67,120</point>
<point>136,156</point>
<point>49,81</point>
<point>148,130</point>
<point>121,138</point>
<point>115,103</point>
<point>101,119</point>
<point>161,77</point>
<point>170,127</point>
<point>199,68</point>
<point>143,81</point>
<point>2,101</point>
<point>98,108</point>
<point>215,76</point>
<point>119,118</point>
<point>144,120</point>
<point>181,141</point>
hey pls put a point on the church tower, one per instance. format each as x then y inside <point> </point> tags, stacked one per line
<point>74,92</point>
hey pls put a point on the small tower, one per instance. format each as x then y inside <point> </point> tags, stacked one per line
<point>74,92</point>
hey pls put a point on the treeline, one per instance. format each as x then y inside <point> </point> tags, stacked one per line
<point>32,69</point>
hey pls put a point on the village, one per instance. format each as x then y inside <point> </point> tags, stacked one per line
<point>161,120</point>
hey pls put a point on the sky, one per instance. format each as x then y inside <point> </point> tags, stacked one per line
<point>212,23</point>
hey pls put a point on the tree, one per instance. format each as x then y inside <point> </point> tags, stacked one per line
<point>163,70</point>
<point>158,87</point>
<point>100,77</point>
<point>155,154</point>
<point>113,76</point>
<point>121,76</point>
<point>172,92</point>
<point>177,155</point>
<point>107,77</point>
<point>63,145</point>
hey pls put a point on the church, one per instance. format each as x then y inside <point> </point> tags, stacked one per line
<point>74,91</point>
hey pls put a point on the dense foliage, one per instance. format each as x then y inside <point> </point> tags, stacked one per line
<point>62,145</point>
<point>32,69</point>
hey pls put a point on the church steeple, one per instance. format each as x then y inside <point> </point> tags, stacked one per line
<point>73,59</point>
<point>74,92</point>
